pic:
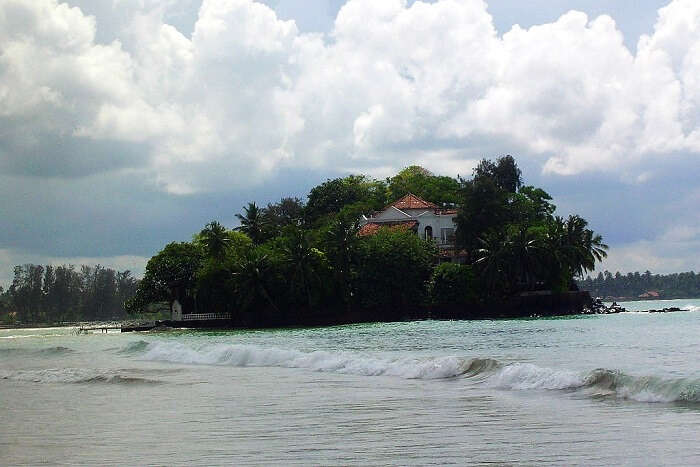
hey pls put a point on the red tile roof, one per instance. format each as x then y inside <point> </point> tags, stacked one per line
<point>372,228</point>
<point>411,201</point>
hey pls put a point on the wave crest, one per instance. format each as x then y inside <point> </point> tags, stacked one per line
<point>343,362</point>
<point>598,383</point>
<point>74,376</point>
<point>486,371</point>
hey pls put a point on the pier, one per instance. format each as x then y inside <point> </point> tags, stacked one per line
<point>122,327</point>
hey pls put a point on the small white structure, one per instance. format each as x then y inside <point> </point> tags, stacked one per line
<point>424,218</point>
<point>176,310</point>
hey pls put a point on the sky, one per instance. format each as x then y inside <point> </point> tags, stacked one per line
<point>128,124</point>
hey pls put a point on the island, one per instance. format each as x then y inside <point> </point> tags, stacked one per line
<point>413,246</point>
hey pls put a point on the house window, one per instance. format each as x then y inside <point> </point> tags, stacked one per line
<point>447,235</point>
<point>428,233</point>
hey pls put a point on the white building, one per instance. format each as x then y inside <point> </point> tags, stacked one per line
<point>424,218</point>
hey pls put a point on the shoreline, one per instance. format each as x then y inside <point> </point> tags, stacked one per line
<point>517,308</point>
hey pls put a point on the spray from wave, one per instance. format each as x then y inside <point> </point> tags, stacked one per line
<point>484,371</point>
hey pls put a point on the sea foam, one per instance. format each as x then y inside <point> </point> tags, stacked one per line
<point>484,371</point>
<point>341,362</point>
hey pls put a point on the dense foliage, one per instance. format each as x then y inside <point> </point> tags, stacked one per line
<point>513,238</point>
<point>295,260</point>
<point>636,285</point>
<point>52,294</point>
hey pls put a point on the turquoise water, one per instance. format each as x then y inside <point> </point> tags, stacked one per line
<point>593,390</point>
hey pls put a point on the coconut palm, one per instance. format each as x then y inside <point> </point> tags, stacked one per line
<point>493,261</point>
<point>253,223</point>
<point>249,276</point>
<point>215,240</point>
<point>340,244</point>
<point>526,253</point>
<point>572,248</point>
<point>301,259</point>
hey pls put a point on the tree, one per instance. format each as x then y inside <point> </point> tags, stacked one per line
<point>333,195</point>
<point>440,190</point>
<point>492,260</point>
<point>453,283</point>
<point>531,206</point>
<point>483,208</point>
<point>303,262</point>
<point>288,211</point>
<point>504,172</point>
<point>215,240</point>
<point>251,278</point>
<point>169,273</point>
<point>394,267</point>
<point>253,223</point>
<point>340,242</point>
<point>572,250</point>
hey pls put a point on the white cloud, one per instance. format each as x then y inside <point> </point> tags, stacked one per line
<point>247,94</point>
<point>666,253</point>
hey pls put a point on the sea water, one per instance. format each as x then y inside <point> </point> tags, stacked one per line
<point>591,390</point>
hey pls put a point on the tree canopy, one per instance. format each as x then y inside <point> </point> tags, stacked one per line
<point>307,259</point>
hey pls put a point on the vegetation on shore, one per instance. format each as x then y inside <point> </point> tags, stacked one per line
<point>298,260</point>
<point>295,261</point>
<point>642,286</point>
<point>55,294</point>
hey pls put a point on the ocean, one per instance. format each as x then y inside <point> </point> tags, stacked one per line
<point>588,390</point>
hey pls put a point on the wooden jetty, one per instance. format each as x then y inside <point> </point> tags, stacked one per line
<point>104,328</point>
<point>122,327</point>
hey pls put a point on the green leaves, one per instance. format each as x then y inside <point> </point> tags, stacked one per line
<point>440,190</point>
<point>453,283</point>
<point>253,223</point>
<point>393,268</point>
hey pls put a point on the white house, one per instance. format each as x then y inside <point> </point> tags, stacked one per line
<point>424,218</point>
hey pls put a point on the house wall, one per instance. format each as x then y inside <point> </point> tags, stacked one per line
<point>437,223</point>
<point>424,217</point>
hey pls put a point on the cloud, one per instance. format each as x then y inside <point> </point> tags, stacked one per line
<point>247,94</point>
<point>174,101</point>
<point>659,256</point>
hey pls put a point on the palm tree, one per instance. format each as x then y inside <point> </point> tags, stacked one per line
<point>215,240</point>
<point>341,242</point>
<point>573,248</point>
<point>253,223</point>
<point>526,254</point>
<point>302,259</point>
<point>493,260</point>
<point>250,279</point>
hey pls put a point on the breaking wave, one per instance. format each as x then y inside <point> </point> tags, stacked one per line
<point>134,347</point>
<point>74,376</point>
<point>482,371</point>
<point>598,383</point>
<point>252,356</point>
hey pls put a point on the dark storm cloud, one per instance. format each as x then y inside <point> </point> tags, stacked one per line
<point>50,155</point>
